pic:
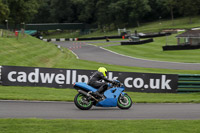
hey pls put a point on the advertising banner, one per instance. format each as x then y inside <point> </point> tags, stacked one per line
<point>65,78</point>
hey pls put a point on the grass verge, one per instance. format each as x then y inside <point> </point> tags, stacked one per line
<point>157,26</point>
<point>29,51</point>
<point>52,94</point>
<point>153,51</point>
<point>97,126</point>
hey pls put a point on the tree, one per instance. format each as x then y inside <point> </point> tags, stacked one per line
<point>4,11</point>
<point>171,4</point>
<point>78,10</point>
<point>22,10</point>
<point>44,12</point>
<point>127,12</point>
<point>88,14</point>
<point>103,16</point>
<point>62,11</point>
<point>189,8</point>
<point>120,12</point>
<point>116,13</point>
<point>138,10</point>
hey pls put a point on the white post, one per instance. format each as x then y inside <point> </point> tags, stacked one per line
<point>118,31</point>
<point>1,35</point>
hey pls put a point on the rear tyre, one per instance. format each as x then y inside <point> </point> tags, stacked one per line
<point>81,101</point>
<point>124,102</point>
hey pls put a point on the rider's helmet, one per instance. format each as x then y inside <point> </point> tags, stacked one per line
<point>103,70</point>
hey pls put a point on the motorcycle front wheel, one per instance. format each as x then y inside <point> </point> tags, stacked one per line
<point>124,102</point>
<point>82,102</point>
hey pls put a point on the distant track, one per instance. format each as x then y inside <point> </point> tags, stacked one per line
<point>67,110</point>
<point>89,52</point>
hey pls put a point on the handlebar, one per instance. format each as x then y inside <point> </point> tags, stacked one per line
<point>116,84</point>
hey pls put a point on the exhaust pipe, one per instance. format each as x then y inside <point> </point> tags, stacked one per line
<point>84,93</point>
<point>87,94</point>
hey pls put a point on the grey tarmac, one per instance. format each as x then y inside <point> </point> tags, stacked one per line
<point>85,51</point>
<point>67,110</point>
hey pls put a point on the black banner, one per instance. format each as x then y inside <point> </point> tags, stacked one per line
<point>65,78</point>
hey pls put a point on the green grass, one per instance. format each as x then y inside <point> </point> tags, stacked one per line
<point>29,51</point>
<point>156,26</point>
<point>103,42</point>
<point>32,52</point>
<point>179,23</point>
<point>98,126</point>
<point>153,51</point>
<point>52,94</point>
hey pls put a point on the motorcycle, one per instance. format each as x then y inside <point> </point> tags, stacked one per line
<point>114,96</point>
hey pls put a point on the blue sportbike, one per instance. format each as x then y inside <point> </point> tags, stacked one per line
<point>112,97</point>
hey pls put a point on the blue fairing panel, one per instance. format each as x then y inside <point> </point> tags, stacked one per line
<point>111,97</point>
<point>85,86</point>
<point>108,102</point>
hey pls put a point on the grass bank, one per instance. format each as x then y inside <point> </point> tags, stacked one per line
<point>29,51</point>
<point>179,23</point>
<point>98,126</point>
<point>153,51</point>
<point>156,26</point>
<point>52,94</point>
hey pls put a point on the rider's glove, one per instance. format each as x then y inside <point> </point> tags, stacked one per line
<point>114,82</point>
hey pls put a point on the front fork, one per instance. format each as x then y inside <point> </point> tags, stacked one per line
<point>122,95</point>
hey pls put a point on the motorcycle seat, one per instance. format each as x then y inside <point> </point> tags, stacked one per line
<point>85,86</point>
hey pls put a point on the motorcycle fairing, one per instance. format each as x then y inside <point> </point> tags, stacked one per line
<point>111,97</point>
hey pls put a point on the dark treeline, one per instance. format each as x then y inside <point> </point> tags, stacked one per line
<point>109,13</point>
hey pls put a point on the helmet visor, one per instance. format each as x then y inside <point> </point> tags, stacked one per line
<point>106,73</point>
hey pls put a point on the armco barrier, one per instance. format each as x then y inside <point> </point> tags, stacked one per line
<point>98,38</point>
<point>180,47</point>
<point>81,39</point>
<point>154,35</point>
<point>138,42</point>
<point>189,83</point>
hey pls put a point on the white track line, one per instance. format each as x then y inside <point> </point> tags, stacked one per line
<point>145,59</point>
<point>75,54</point>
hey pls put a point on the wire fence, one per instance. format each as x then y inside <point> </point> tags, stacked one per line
<point>12,33</point>
<point>7,33</point>
<point>171,40</point>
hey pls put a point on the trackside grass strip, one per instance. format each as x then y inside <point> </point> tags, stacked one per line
<point>157,26</point>
<point>98,126</point>
<point>52,94</point>
<point>153,51</point>
<point>29,51</point>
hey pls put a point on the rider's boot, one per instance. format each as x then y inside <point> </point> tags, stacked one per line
<point>100,91</point>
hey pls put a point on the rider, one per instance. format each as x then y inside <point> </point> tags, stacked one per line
<point>96,81</point>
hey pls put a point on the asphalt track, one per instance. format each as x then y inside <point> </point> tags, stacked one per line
<point>67,110</point>
<point>85,51</point>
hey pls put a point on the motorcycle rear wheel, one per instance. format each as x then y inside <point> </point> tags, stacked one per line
<point>124,102</point>
<point>81,101</point>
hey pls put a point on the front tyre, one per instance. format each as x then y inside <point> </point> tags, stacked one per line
<point>81,101</point>
<point>124,102</point>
